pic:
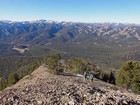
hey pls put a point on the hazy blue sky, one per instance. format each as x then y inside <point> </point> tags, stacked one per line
<point>71,10</point>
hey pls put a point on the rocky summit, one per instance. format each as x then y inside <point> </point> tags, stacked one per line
<point>42,88</point>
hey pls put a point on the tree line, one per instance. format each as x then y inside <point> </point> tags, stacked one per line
<point>128,76</point>
<point>15,68</point>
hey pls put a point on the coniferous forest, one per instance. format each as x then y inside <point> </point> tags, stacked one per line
<point>15,68</point>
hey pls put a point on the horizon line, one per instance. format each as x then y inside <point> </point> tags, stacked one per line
<point>59,21</point>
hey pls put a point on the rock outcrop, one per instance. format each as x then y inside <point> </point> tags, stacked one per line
<point>42,88</point>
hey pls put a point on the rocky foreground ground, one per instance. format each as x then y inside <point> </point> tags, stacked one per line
<point>42,88</point>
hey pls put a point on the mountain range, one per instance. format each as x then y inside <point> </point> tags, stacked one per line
<point>43,31</point>
<point>104,41</point>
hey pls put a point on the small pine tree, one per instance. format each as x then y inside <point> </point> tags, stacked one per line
<point>1,85</point>
<point>12,79</point>
<point>54,65</point>
<point>112,77</point>
<point>129,76</point>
